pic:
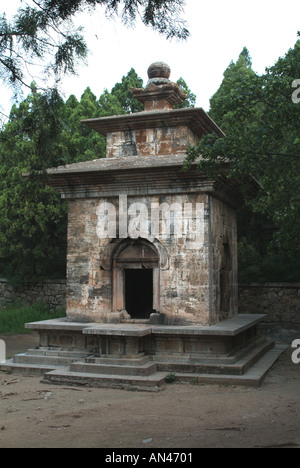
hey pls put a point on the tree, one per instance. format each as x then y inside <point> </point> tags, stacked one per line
<point>109,104</point>
<point>122,92</point>
<point>44,33</point>
<point>32,217</point>
<point>261,123</point>
<point>81,143</point>
<point>190,100</point>
<point>237,87</point>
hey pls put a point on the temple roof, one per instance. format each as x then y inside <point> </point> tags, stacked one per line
<point>118,164</point>
<point>194,118</point>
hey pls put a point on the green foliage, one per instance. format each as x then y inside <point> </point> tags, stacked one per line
<point>122,92</point>
<point>237,95</point>
<point>34,34</point>
<point>191,99</point>
<point>43,34</point>
<point>79,142</point>
<point>170,378</point>
<point>31,215</point>
<point>162,15</point>
<point>261,123</point>
<point>270,267</point>
<point>13,317</point>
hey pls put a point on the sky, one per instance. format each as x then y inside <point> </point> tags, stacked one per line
<point>219,31</point>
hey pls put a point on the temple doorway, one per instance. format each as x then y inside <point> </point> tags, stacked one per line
<point>136,278</point>
<point>139,293</point>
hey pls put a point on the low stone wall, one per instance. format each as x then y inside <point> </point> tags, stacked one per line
<point>279,301</point>
<point>52,292</point>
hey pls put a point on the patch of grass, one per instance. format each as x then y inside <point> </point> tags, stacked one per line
<point>14,316</point>
<point>170,378</point>
<point>194,381</point>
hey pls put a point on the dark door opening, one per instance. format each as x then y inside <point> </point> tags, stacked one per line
<point>139,293</point>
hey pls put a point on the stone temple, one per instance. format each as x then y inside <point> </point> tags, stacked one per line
<point>152,260</point>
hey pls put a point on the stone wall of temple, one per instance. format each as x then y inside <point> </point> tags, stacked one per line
<point>224,261</point>
<point>170,223</point>
<point>200,274</point>
<point>88,286</point>
<point>150,142</point>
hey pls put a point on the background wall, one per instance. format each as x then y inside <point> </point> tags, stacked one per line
<point>279,301</point>
<point>52,292</point>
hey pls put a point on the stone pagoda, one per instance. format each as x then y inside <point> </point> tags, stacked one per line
<point>152,259</point>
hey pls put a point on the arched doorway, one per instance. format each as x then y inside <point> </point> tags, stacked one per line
<point>136,278</point>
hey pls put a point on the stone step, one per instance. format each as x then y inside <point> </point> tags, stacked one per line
<point>255,354</point>
<point>61,352</point>
<point>213,368</point>
<point>112,369</point>
<point>136,321</point>
<point>57,357</point>
<point>26,369</point>
<point>59,361</point>
<point>155,382</point>
<point>122,361</point>
<point>252,377</point>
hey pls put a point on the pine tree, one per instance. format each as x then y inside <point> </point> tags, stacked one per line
<point>44,34</point>
<point>122,92</point>
<point>261,123</point>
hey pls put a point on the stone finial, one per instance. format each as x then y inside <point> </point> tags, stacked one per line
<point>160,93</point>
<point>159,73</point>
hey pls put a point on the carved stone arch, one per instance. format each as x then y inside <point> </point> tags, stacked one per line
<point>163,254</point>
<point>117,245</point>
<point>107,253</point>
<point>136,253</point>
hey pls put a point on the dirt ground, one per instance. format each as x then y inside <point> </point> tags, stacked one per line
<point>36,415</point>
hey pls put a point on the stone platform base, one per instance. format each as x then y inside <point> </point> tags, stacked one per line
<point>144,356</point>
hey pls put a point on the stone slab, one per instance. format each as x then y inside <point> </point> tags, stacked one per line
<point>119,164</point>
<point>26,369</point>
<point>155,382</point>
<point>58,324</point>
<point>134,330</point>
<point>229,327</point>
<point>146,369</point>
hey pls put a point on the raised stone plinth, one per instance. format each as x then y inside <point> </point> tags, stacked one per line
<point>141,356</point>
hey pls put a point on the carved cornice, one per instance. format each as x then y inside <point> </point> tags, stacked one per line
<point>194,118</point>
